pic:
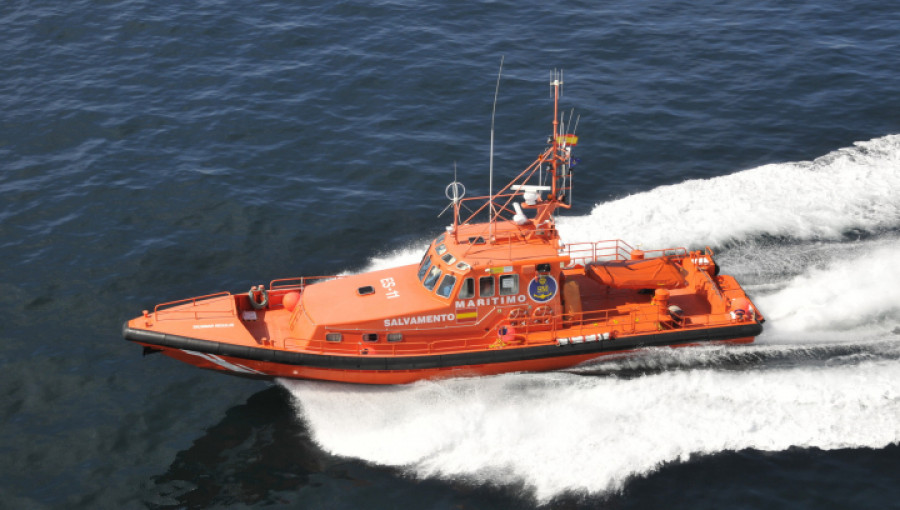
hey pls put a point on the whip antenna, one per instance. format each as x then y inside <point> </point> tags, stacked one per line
<point>491,163</point>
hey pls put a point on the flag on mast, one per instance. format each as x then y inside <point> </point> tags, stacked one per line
<point>570,140</point>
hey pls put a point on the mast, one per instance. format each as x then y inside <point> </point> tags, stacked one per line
<point>556,82</point>
<point>558,156</point>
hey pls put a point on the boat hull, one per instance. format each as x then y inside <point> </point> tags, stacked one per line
<point>269,363</point>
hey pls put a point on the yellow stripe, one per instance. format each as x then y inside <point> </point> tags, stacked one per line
<point>469,315</point>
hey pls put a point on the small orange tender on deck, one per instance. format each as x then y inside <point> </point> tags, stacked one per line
<point>497,292</point>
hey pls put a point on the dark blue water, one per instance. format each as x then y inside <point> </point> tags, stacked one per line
<point>151,151</point>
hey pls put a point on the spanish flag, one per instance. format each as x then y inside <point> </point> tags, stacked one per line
<point>570,140</point>
<point>467,316</point>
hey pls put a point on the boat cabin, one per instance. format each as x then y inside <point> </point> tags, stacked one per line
<point>463,282</point>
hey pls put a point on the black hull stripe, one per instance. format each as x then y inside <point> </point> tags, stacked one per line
<point>378,363</point>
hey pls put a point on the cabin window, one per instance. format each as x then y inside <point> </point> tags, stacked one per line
<point>395,337</point>
<point>441,249</point>
<point>543,268</point>
<point>370,337</point>
<point>463,266</point>
<point>365,291</point>
<point>333,337</point>
<point>486,286</point>
<point>509,284</point>
<point>467,291</point>
<point>449,258</point>
<point>432,278</point>
<point>440,239</point>
<point>424,266</point>
<point>446,286</point>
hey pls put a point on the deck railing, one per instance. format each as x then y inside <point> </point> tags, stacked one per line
<point>612,250</point>
<point>546,330</point>
<point>167,311</point>
<point>298,283</point>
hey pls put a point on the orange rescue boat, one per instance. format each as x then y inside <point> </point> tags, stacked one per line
<point>502,294</point>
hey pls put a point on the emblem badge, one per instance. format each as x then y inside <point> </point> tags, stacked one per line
<point>542,288</point>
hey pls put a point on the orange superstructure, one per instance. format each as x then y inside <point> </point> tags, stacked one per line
<point>497,292</point>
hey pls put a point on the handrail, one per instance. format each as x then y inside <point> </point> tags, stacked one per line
<point>613,250</point>
<point>279,284</point>
<point>496,310</point>
<point>165,308</point>
<point>613,321</point>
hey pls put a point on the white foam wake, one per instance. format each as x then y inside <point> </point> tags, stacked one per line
<point>565,433</point>
<point>406,255</point>
<point>859,293</point>
<point>852,188</point>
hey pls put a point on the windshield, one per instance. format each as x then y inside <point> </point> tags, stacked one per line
<point>423,267</point>
<point>432,277</point>
<point>446,286</point>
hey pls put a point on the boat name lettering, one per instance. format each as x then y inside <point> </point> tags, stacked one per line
<point>421,319</point>
<point>501,300</point>
<point>210,326</point>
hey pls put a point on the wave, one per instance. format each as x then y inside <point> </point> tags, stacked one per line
<point>823,375</point>
<point>855,294</point>
<point>564,433</point>
<point>855,188</point>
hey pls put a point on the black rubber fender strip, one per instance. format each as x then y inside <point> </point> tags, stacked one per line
<point>380,363</point>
